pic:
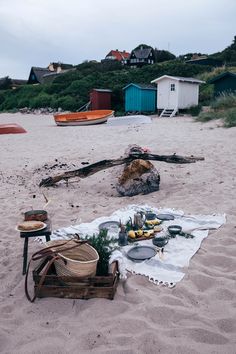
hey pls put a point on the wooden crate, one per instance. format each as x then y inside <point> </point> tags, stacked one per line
<point>75,287</point>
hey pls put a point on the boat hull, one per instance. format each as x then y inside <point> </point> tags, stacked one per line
<point>83,118</point>
<point>11,128</point>
<point>74,123</point>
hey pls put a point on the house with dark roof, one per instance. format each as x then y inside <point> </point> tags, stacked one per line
<point>117,55</point>
<point>140,98</point>
<point>224,83</point>
<point>205,61</point>
<point>141,56</point>
<point>36,75</point>
<point>44,75</point>
<point>59,67</point>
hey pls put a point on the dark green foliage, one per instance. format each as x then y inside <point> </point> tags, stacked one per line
<point>162,55</point>
<point>5,83</point>
<point>1,98</point>
<point>67,103</point>
<point>104,247</point>
<point>194,110</point>
<point>206,93</point>
<point>228,55</point>
<point>224,101</point>
<point>230,118</point>
<point>207,116</point>
<point>41,100</point>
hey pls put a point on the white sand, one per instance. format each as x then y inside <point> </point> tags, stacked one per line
<point>197,316</point>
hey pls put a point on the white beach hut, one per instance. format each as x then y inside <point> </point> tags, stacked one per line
<point>174,93</point>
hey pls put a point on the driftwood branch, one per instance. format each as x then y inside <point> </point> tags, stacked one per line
<point>104,164</point>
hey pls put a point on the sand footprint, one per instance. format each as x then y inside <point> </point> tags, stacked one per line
<point>200,335</point>
<point>226,325</point>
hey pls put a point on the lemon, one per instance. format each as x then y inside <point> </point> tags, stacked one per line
<point>131,234</point>
<point>153,222</point>
<point>148,233</point>
<point>139,233</point>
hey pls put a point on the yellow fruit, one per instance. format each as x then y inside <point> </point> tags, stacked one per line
<point>148,233</point>
<point>139,233</point>
<point>152,222</point>
<point>131,234</point>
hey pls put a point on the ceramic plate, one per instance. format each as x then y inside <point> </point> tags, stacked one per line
<point>165,217</point>
<point>140,253</point>
<point>41,228</point>
<point>112,227</point>
<point>109,225</point>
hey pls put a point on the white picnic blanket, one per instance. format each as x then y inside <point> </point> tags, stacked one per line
<point>167,269</point>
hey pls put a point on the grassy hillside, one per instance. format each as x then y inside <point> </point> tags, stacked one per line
<point>70,91</point>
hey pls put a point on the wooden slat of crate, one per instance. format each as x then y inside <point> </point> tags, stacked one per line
<point>78,288</point>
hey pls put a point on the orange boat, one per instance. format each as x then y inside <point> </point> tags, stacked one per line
<point>11,128</point>
<point>83,118</point>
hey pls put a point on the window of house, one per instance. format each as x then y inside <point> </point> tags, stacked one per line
<point>172,87</point>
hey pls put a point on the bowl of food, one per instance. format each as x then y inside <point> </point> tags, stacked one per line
<point>174,230</point>
<point>160,241</point>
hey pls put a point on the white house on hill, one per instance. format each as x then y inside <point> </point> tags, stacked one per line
<point>174,93</point>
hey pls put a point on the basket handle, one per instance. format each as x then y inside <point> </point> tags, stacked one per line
<point>44,253</point>
<point>48,251</point>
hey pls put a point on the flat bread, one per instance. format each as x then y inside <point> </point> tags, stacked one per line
<point>30,225</point>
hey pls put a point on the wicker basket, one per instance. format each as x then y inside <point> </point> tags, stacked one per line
<point>77,262</point>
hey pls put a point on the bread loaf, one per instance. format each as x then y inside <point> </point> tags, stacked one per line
<point>30,225</point>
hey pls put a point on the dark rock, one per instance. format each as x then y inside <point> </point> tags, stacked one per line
<point>140,177</point>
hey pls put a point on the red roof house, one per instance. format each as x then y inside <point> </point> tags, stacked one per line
<point>118,55</point>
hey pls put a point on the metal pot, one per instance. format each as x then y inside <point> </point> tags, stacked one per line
<point>39,215</point>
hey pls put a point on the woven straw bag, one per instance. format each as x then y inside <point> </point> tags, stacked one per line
<point>79,261</point>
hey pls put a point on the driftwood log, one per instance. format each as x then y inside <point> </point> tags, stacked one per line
<point>133,154</point>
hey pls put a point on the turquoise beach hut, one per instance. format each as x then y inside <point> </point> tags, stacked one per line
<point>140,98</point>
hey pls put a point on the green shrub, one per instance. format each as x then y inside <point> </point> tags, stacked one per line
<point>206,94</point>
<point>230,118</point>
<point>23,102</point>
<point>206,116</point>
<point>9,103</point>
<point>2,98</point>
<point>42,100</point>
<point>224,101</point>
<point>67,103</point>
<point>194,110</point>
<point>53,88</point>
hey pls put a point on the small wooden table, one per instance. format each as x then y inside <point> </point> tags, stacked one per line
<point>26,235</point>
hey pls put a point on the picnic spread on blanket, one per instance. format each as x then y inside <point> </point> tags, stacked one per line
<point>86,260</point>
<point>155,242</point>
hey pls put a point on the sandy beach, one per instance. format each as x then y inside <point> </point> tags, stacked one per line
<point>198,315</point>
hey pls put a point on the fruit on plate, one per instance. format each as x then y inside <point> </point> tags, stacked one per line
<point>152,222</point>
<point>148,233</point>
<point>131,234</point>
<point>139,233</point>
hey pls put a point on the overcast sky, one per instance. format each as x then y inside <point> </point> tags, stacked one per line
<point>37,32</point>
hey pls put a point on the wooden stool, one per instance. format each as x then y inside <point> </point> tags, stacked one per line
<point>26,235</point>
